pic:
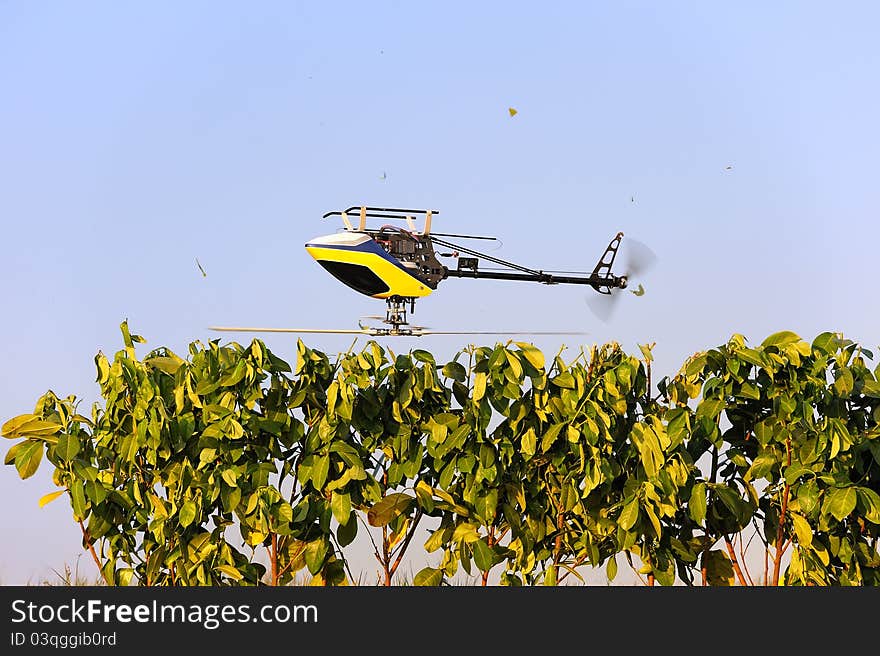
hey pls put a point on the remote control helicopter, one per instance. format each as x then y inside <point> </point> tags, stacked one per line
<point>402,264</point>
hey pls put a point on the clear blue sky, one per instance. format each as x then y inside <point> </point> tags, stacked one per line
<point>137,137</point>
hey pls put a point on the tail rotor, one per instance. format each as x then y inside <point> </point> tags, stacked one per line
<point>638,258</point>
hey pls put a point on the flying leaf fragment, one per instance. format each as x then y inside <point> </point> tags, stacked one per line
<point>640,291</point>
<point>512,111</point>
<point>204,275</point>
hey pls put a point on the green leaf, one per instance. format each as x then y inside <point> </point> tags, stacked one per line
<point>761,466</point>
<point>315,553</point>
<point>485,505</point>
<point>629,515</point>
<point>808,497</point>
<point>67,447</point>
<point>719,569</point>
<point>752,356</point>
<point>795,471</point>
<point>230,477</point>
<point>802,529</point>
<point>696,365</point>
<point>869,500</point>
<point>389,508</point>
<point>28,426</point>
<point>826,343</point>
<point>455,371</point>
<point>710,408</point>
<point>126,335</point>
<point>781,339</point>
<point>95,492</point>
<point>749,391</point>
<point>564,380</point>
<point>28,457</point>
<point>165,364</point>
<point>347,532</point>
<point>9,459</point>
<point>698,503</point>
<point>78,500</point>
<point>480,385</point>
<point>611,568</point>
<point>436,540</point>
<point>484,558</point>
<point>843,382</point>
<point>648,444</point>
<point>550,436</point>
<point>320,470</point>
<point>429,576</point>
<point>677,427</point>
<point>340,505</point>
<point>230,571</point>
<point>841,502</point>
<point>187,513</point>
<point>422,356</point>
<point>465,533</point>
<point>532,354</point>
<point>529,443</point>
<point>871,388</point>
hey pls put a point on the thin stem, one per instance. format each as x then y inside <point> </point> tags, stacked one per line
<point>777,560</point>
<point>87,540</point>
<point>405,544</point>
<point>273,555</point>
<point>733,559</point>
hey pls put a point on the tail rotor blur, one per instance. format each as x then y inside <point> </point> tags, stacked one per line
<point>639,258</point>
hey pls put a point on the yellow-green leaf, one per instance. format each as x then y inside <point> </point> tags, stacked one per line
<point>532,354</point>
<point>429,577</point>
<point>230,571</point>
<point>28,457</point>
<point>389,508</point>
<point>840,503</point>
<point>719,569</point>
<point>187,513</point>
<point>480,385</point>
<point>340,506</point>
<point>802,529</point>
<point>49,498</point>
<point>27,426</point>
<point>781,339</point>
<point>629,515</point>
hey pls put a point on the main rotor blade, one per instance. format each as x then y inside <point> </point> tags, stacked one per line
<point>500,332</point>
<point>381,332</point>
<point>344,331</point>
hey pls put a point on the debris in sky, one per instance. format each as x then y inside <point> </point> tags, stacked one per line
<point>728,168</point>
<point>511,110</point>
<point>632,199</point>
<point>204,275</point>
<point>383,176</point>
<point>640,291</point>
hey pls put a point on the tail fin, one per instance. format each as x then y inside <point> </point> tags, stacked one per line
<point>603,268</point>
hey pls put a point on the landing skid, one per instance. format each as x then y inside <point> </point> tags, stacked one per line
<point>396,319</point>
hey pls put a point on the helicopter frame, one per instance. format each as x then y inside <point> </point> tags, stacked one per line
<point>415,250</point>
